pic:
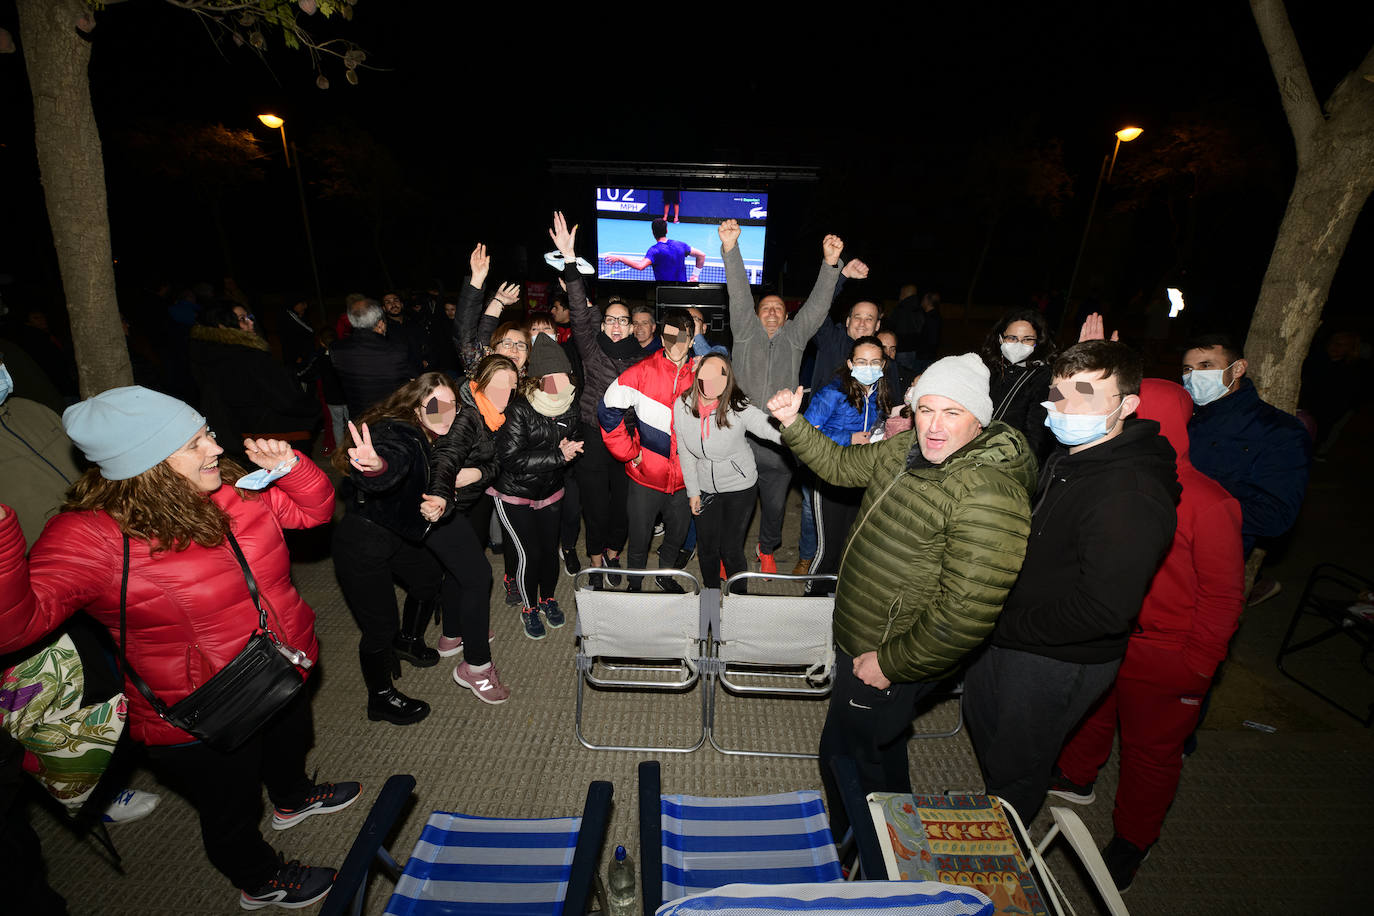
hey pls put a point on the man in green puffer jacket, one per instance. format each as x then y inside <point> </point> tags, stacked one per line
<point>938,543</point>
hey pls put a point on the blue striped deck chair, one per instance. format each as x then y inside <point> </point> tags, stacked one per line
<point>689,844</point>
<point>853,898</point>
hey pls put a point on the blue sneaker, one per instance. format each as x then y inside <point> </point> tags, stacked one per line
<point>552,613</point>
<point>534,627</point>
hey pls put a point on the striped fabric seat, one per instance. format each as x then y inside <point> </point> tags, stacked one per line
<point>764,839</point>
<point>488,866</point>
<point>853,898</point>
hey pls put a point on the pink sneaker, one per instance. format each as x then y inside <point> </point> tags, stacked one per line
<point>449,647</point>
<point>485,684</point>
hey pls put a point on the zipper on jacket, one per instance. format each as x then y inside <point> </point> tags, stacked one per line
<point>893,610</point>
<point>854,530</point>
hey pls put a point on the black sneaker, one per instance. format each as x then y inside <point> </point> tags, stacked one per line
<point>552,613</point>
<point>594,581</point>
<point>325,798</point>
<point>534,627</point>
<point>570,560</point>
<point>1067,789</point>
<point>670,585</point>
<point>612,580</point>
<point>293,886</point>
<point>512,591</point>
<point>1123,859</point>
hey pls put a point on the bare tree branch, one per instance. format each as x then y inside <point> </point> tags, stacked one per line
<point>1295,86</point>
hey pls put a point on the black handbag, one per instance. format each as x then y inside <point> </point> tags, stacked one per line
<point>242,696</point>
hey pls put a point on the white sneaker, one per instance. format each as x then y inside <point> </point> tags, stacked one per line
<point>130,805</point>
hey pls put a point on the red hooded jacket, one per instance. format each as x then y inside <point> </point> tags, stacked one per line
<point>189,611</point>
<point>1196,597</point>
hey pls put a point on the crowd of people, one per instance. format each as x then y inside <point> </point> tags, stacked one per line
<point>1062,534</point>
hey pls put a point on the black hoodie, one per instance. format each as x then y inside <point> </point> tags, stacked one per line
<point>1102,521</point>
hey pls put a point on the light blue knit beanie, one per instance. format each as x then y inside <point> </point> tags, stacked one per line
<point>126,431</point>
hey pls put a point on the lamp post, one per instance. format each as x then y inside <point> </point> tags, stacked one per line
<point>273,122</point>
<point>1124,135</point>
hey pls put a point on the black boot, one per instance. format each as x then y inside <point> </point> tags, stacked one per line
<point>410,641</point>
<point>384,702</point>
<point>684,557</point>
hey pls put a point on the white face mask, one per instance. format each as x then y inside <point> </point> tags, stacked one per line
<point>1016,353</point>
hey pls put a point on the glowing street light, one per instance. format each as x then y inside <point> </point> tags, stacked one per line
<point>1124,135</point>
<point>273,122</point>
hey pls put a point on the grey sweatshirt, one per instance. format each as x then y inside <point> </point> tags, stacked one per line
<point>765,365</point>
<point>722,462</point>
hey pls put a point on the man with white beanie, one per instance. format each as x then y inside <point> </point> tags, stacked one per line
<point>938,543</point>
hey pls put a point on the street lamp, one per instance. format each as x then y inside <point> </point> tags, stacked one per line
<point>1124,135</point>
<point>272,122</point>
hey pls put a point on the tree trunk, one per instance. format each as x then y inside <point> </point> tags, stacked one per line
<point>73,173</point>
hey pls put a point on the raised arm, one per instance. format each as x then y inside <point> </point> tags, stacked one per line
<point>817,306</point>
<point>744,321</point>
<point>465,336</point>
<point>582,314</point>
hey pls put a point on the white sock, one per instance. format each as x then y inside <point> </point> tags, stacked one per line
<point>480,668</point>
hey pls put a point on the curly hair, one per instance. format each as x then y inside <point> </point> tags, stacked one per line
<point>400,406</point>
<point>158,506</point>
<point>854,392</point>
<point>1045,350</point>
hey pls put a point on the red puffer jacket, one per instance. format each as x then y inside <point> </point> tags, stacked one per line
<point>189,612</point>
<point>650,388</point>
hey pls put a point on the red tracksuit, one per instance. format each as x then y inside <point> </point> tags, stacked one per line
<point>1185,623</point>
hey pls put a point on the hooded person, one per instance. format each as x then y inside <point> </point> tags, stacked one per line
<point>939,540</point>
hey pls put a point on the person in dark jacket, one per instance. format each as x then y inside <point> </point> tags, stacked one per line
<point>1180,638</point>
<point>539,439</point>
<point>406,326</point>
<point>370,365</point>
<point>1018,351</point>
<point>1260,454</point>
<point>297,336</point>
<point>389,512</point>
<point>244,391</point>
<point>1103,519</point>
<point>470,446</point>
<point>478,331</point>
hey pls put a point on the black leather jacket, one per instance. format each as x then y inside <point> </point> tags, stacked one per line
<point>532,465</point>
<point>392,498</point>
<point>467,444</point>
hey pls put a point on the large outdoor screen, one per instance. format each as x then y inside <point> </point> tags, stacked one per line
<point>668,236</point>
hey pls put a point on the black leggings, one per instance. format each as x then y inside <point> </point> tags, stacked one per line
<point>721,529</point>
<point>466,592</point>
<point>532,535</point>
<point>366,556</point>
<point>603,490</point>
<point>480,516</point>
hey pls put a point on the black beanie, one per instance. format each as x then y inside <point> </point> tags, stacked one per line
<point>547,358</point>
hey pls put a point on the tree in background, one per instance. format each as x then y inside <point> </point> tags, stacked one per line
<point>1335,152</point>
<point>57,54</point>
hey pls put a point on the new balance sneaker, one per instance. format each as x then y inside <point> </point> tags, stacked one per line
<point>1123,859</point>
<point>512,591</point>
<point>293,886</point>
<point>570,562</point>
<point>1067,789</point>
<point>767,562</point>
<point>612,580</point>
<point>534,627</point>
<point>485,684</point>
<point>451,646</point>
<point>130,805</point>
<point>552,613</point>
<point>325,798</point>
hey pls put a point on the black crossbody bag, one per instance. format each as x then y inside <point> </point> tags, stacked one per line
<point>242,696</point>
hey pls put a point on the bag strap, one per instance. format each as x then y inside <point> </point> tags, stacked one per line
<point>252,583</point>
<point>1006,401</point>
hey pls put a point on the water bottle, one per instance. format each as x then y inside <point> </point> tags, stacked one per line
<point>620,884</point>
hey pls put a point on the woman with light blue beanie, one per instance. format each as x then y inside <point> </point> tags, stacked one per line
<point>144,544</point>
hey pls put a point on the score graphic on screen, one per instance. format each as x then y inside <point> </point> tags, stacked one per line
<point>669,236</point>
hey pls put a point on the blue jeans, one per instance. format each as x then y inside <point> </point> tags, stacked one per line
<point>807,547</point>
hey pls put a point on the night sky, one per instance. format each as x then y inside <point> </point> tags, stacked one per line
<point>934,134</point>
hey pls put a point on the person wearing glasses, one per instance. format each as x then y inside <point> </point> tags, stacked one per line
<point>847,410</point>
<point>1018,352</point>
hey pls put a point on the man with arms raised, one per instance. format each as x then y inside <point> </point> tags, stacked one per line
<point>940,538</point>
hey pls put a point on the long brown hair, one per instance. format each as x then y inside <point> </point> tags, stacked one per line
<point>399,407</point>
<point>731,399</point>
<point>850,387</point>
<point>158,506</point>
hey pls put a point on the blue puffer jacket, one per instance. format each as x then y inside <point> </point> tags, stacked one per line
<point>1260,454</point>
<point>833,415</point>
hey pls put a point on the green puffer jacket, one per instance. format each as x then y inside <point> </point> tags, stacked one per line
<point>934,551</point>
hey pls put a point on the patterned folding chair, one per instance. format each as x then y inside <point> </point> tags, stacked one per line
<point>690,844</point>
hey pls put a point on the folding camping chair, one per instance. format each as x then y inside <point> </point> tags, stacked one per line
<point>529,867</point>
<point>641,641</point>
<point>947,692</point>
<point>690,844</point>
<point>770,645</point>
<point>853,898</point>
<point>978,838</point>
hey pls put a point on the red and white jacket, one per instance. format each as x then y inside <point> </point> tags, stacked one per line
<point>650,387</point>
<point>189,612</point>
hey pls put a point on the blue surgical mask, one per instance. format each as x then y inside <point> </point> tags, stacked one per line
<point>866,375</point>
<point>6,383</point>
<point>259,479</point>
<point>1206,385</point>
<point>1076,428</point>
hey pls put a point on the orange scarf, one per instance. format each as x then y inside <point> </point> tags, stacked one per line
<point>490,415</point>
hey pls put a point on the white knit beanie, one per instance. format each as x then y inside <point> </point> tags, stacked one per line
<point>961,378</point>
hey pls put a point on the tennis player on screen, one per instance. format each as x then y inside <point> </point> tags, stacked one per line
<point>667,257</point>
